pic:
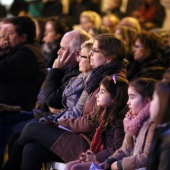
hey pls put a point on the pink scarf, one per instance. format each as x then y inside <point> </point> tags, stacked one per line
<point>133,123</point>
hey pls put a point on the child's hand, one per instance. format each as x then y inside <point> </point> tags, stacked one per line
<point>82,157</point>
<point>90,156</point>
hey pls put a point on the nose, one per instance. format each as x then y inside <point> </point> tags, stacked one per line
<point>59,52</point>
<point>97,95</point>
<point>128,102</point>
<point>78,58</point>
<point>90,53</point>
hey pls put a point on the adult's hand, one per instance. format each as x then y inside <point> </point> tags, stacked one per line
<point>64,60</point>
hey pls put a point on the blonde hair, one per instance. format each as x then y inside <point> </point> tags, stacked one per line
<point>93,17</point>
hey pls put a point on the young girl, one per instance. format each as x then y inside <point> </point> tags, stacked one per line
<point>138,129</point>
<point>111,98</point>
<point>160,113</point>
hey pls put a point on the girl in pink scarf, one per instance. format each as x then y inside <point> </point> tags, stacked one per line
<point>138,129</point>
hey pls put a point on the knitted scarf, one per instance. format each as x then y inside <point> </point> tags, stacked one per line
<point>96,143</point>
<point>133,123</point>
<point>100,72</point>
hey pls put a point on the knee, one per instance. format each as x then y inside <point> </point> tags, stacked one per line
<point>71,164</point>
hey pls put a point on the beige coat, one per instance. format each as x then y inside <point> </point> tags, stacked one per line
<point>134,154</point>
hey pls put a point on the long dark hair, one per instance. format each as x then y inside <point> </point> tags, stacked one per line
<point>162,89</point>
<point>118,108</point>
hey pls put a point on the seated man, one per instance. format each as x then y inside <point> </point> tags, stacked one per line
<point>22,69</point>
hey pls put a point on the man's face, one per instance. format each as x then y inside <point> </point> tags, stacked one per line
<point>13,37</point>
<point>65,49</point>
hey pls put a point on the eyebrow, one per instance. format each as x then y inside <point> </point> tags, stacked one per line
<point>131,95</point>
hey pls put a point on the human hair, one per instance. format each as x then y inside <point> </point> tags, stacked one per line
<point>152,41</point>
<point>59,27</point>
<point>128,35</point>
<point>111,45</point>
<point>118,91</point>
<point>88,44</point>
<point>80,36</point>
<point>162,89</point>
<point>144,86</point>
<point>100,30</point>
<point>166,75</point>
<point>24,25</point>
<point>131,22</point>
<point>92,16</point>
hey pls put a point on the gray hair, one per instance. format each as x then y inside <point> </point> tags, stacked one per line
<point>80,37</point>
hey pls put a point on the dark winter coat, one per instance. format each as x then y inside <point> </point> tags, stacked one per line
<point>22,73</point>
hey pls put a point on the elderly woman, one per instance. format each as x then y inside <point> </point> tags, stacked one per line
<point>40,142</point>
<point>147,57</point>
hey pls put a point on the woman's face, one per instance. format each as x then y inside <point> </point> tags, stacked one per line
<point>85,23</point>
<point>84,60</point>
<point>97,58</point>
<point>154,107</point>
<point>103,97</point>
<point>135,102</point>
<point>140,52</point>
<point>50,34</point>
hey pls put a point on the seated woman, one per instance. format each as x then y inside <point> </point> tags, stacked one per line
<point>160,149</point>
<point>128,36</point>
<point>138,129</point>
<point>147,57</point>
<point>40,142</point>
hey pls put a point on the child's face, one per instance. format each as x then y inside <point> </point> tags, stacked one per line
<point>136,101</point>
<point>154,107</point>
<point>103,97</point>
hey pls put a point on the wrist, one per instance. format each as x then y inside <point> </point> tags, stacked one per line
<point>110,160</point>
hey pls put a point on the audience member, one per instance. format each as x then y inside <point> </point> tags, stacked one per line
<point>22,70</point>
<point>131,22</point>
<point>147,57</point>
<point>113,7</point>
<point>159,110</point>
<point>19,8</point>
<point>40,28</point>
<point>111,98</point>
<point>128,36</point>
<point>89,19</point>
<point>96,31</point>
<point>73,91</point>
<point>110,21</point>
<point>138,129</point>
<point>76,7</point>
<point>151,12</point>
<point>52,8</point>
<point>132,5</point>
<point>54,31</point>
<point>106,59</point>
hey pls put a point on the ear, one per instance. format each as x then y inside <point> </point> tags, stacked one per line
<point>148,99</point>
<point>23,38</point>
<point>108,59</point>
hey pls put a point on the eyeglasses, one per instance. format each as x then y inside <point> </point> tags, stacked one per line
<point>82,56</point>
<point>138,46</point>
<point>95,51</point>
